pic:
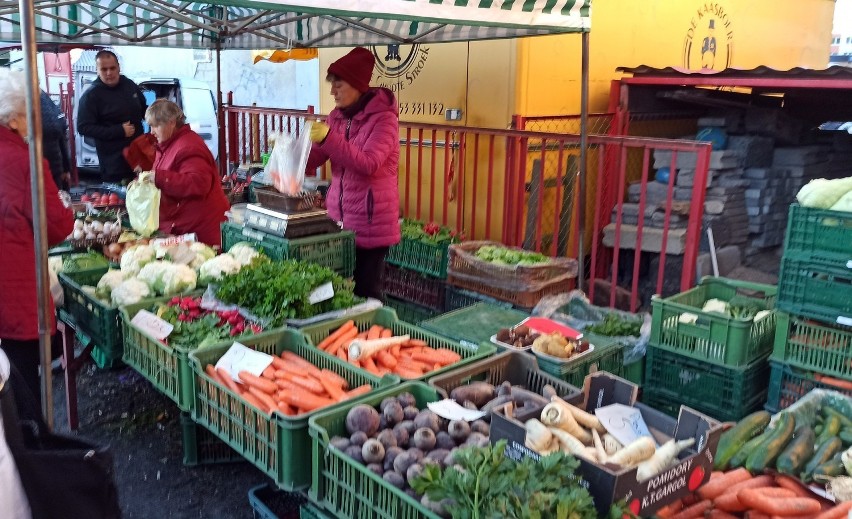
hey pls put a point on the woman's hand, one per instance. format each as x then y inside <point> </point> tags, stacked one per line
<point>319,131</point>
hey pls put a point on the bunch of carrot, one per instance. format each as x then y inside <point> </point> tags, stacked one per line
<point>411,359</point>
<point>290,385</point>
<point>737,494</point>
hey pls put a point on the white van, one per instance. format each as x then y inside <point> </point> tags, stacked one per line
<point>195,98</point>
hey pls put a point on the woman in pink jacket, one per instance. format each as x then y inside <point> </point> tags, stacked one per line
<point>361,139</point>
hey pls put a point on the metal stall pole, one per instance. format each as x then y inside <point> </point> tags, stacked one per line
<point>220,111</point>
<point>584,142</point>
<point>28,44</point>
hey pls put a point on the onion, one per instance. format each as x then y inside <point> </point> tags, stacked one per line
<point>107,228</point>
<point>78,224</point>
<point>97,227</point>
<point>115,249</point>
<point>78,234</point>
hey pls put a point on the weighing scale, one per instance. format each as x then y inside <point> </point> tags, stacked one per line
<point>289,225</point>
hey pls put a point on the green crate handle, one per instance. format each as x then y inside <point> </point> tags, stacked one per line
<point>697,329</point>
<point>766,290</point>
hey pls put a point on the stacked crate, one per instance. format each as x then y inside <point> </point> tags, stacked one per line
<point>415,279</point>
<point>813,342</point>
<point>710,361</point>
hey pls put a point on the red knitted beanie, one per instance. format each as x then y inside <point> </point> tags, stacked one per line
<point>356,68</point>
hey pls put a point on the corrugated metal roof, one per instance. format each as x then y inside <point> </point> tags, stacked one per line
<point>86,62</point>
<point>762,71</point>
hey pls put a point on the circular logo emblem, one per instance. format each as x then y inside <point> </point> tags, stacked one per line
<point>392,61</point>
<point>709,42</point>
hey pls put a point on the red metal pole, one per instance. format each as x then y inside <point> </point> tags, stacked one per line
<point>521,188</point>
<point>603,152</point>
<point>475,186</point>
<point>490,188</point>
<point>448,145</point>
<point>622,174</point>
<point>539,210</point>
<point>460,183</point>
<point>508,186</point>
<point>666,222</point>
<point>696,215</point>
<point>407,207</point>
<point>419,170</point>
<point>233,153</point>
<point>560,178</point>
<point>432,177</point>
<point>637,256</point>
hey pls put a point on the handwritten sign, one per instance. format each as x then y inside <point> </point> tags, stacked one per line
<point>625,423</point>
<point>321,293</point>
<point>241,358</point>
<point>451,410</point>
<point>152,325</point>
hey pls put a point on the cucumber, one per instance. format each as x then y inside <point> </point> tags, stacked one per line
<point>831,468</point>
<point>846,436</point>
<point>733,440</point>
<point>766,453</point>
<point>830,429</point>
<point>824,453</point>
<point>845,421</point>
<point>798,452</point>
<point>739,458</point>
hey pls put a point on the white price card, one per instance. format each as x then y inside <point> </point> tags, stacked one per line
<point>240,358</point>
<point>152,325</point>
<point>451,410</point>
<point>321,293</point>
<point>625,423</point>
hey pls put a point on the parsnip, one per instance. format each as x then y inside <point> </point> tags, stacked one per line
<point>638,451</point>
<point>600,452</point>
<point>368,347</point>
<point>611,445</point>
<point>557,415</point>
<point>587,420</point>
<point>568,443</point>
<point>591,454</point>
<point>662,458</point>
<point>539,437</point>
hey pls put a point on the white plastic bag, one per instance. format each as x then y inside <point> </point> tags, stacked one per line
<point>143,205</point>
<point>286,166</point>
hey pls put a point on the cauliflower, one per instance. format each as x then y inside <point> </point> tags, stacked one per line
<point>844,204</point>
<point>244,253</point>
<point>154,273</point>
<point>54,263</point>
<point>136,257</point>
<point>221,265</point>
<point>130,291</point>
<point>178,279</point>
<point>822,194</point>
<point>108,282</point>
<point>202,253</point>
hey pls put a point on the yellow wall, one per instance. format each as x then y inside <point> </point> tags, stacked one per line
<point>779,34</point>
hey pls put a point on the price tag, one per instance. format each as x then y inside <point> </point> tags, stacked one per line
<point>240,358</point>
<point>450,410</point>
<point>321,293</point>
<point>152,325</point>
<point>162,244</point>
<point>625,423</point>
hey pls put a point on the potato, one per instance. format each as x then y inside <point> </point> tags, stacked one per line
<point>480,393</point>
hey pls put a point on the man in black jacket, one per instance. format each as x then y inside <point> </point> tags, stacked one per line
<point>54,141</point>
<point>111,112</point>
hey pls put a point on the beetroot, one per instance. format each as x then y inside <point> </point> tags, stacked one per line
<point>481,426</point>
<point>394,479</point>
<point>413,471</point>
<point>373,451</point>
<point>339,442</point>
<point>459,430</point>
<point>358,438</point>
<point>362,418</point>
<point>387,438</point>
<point>410,412</point>
<point>408,425</point>
<point>401,434</point>
<point>390,455</point>
<point>376,469</point>
<point>424,439</point>
<point>443,440</point>
<point>429,420</point>
<point>406,399</point>
<point>354,452</point>
<point>393,413</point>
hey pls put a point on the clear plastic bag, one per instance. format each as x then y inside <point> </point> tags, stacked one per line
<point>575,310</point>
<point>286,167</point>
<point>143,205</point>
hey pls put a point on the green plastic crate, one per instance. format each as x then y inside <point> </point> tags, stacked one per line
<point>335,251</point>
<point>388,318</point>
<point>635,372</point>
<point>410,312</point>
<point>808,345</point>
<point>103,359</point>
<point>90,315</point>
<point>517,368</point>
<point>266,500</point>
<point>724,393</point>
<point>413,287</point>
<point>426,258</point>
<point>309,511</point>
<point>820,235</point>
<point>608,356</point>
<point>201,447</point>
<point>474,324</point>
<point>344,487</point>
<point>816,290</point>
<point>166,367</point>
<point>788,384</point>
<point>715,338</point>
<point>84,262</point>
<point>457,298</point>
<point>278,445</point>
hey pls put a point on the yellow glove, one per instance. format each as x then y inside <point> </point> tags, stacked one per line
<point>319,131</point>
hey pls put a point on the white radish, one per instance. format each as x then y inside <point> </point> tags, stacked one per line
<point>638,451</point>
<point>662,458</point>
<point>367,348</point>
<point>600,452</point>
<point>556,414</point>
<point>78,224</point>
<point>611,445</point>
<point>587,420</point>
<point>568,443</point>
<point>539,438</point>
<point>97,227</point>
<point>591,454</point>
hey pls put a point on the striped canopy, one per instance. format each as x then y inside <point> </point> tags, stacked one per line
<point>251,24</point>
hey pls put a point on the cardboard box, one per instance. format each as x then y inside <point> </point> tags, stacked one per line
<point>608,486</point>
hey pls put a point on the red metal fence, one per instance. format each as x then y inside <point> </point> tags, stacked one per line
<point>519,187</point>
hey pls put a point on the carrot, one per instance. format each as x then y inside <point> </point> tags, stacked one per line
<point>793,517</point>
<point>771,501</point>
<point>265,385</point>
<point>716,487</point>
<point>269,372</point>
<point>386,333</point>
<point>360,390</point>
<point>719,514</point>
<point>340,381</point>
<point>442,356</point>
<point>310,384</point>
<point>251,399</point>
<point>414,364</point>
<point>375,332</point>
<point>756,482</point>
<point>694,511</point>
<point>226,379</point>
<point>417,343</point>
<point>793,484</point>
<point>840,511</point>
<point>304,400</point>
<point>395,350</point>
<point>284,408</point>
<point>362,336</point>
<point>342,354</point>
<point>368,364</point>
<point>753,514</point>
<point>268,402</point>
<point>405,372</point>
<point>832,381</point>
<point>324,344</point>
<point>669,510</point>
<point>729,502</point>
<point>210,369</point>
<point>332,388</point>
<point>279,363</point>
<point>298,361</point>
<point>343,340</point>
<point>281,374</point>
<point>386,359</point>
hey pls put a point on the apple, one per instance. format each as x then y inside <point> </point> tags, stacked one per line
<point>85,198</point>
<point>113,199</point>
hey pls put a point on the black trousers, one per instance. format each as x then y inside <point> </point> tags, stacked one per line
<point>370,271</point>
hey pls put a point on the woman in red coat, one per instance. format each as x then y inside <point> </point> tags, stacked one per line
<point>18,294</point>
<point>185,172</point>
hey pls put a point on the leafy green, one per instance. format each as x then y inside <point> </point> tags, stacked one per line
<point>280,290</point>
<point>614,326</point>
<point>504,256</point>
<point>430,232</point>
<point>485,484</point>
